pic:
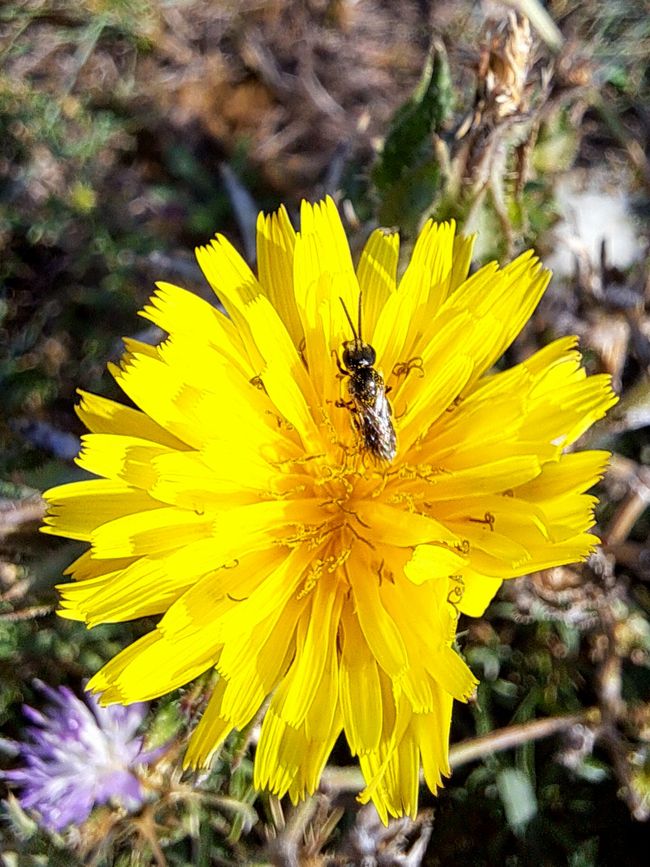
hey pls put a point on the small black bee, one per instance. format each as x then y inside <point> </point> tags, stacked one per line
<point>368,403</point>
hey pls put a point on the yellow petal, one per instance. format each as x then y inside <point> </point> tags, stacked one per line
<point>360,689</point>
<point>78,509</point>
<point>377,275</point>
<point>431,562</point>
<point>101,415</point>
<point>212,730</point>
<point>276,241</point>
<point>315,645</point>
<point>478,592</point>
<point>283,373</point>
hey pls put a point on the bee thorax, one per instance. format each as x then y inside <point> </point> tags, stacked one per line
<point>365,385</point>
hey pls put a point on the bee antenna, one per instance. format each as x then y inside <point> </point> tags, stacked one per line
<point>349,318</point>
<point>360,296</point>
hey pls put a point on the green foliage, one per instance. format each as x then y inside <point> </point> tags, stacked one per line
<point>518,798</point>
<point>54,147</point>
<point>407,175</point>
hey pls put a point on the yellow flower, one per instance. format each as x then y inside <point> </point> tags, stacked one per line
<point>241,503</point>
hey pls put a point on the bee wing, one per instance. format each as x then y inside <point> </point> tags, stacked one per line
<point>379,433</point>
<point>382,408</point>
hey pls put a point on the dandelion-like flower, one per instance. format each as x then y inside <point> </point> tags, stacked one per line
<point>77,756</point>
<point>241,500</point>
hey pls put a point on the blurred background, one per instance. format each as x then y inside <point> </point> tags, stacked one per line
<point>130,132</point>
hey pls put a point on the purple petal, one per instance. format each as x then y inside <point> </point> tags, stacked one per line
<point>76,755</point>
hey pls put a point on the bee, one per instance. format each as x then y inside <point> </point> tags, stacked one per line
<point>371,410</point>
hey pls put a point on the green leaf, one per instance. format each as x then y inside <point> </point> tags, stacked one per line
<point>518,798</point>
<point>407,175</point>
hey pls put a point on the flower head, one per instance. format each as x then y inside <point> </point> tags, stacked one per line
<point>243,502</point>
<point>79,755</point>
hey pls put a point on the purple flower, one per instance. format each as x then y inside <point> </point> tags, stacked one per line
<point>76,755</point>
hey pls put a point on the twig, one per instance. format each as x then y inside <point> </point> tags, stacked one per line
<point>350,779</point>
<point>629,511</point>
<point>27,613</point>
<point>284,851</point>
<point>244,208</point>
<point>14,514</point>
<point>514,736</point>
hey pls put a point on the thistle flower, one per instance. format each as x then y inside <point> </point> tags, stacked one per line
<point>239,503</point>
<point>77,756</point>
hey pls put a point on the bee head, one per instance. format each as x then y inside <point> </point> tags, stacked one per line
<point>358,354</point>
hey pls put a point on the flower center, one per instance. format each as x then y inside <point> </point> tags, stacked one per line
<point>342,495</point>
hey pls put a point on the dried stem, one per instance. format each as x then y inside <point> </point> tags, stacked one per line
<point>350,779</point>
<point>15,514</point>
<point>285,850</point>
<point>630,509</point>
<point>514,736</point>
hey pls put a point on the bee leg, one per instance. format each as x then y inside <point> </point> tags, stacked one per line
<point>342,370</point>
